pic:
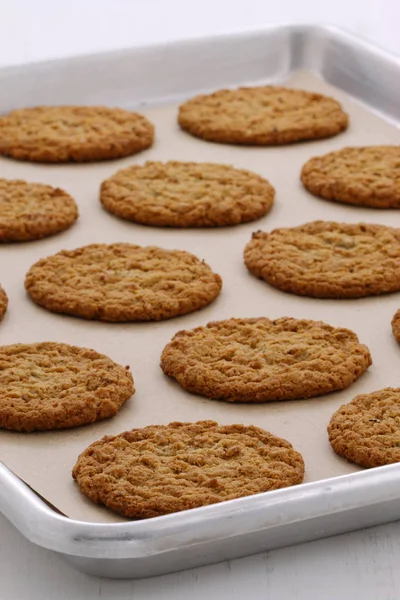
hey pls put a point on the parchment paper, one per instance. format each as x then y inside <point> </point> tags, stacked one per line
<point>45,460</point>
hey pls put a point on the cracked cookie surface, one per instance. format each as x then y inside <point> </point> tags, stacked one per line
<point>50,385</point>
<point>187,194</point>
<point>364,176</point>
<point>162,469</point>
<point>267,115</point>
<point>73,133</point>
<point>122,282</point>
<point>325,259</point>
<point>366,431</point>
<point>31,211</point>
<point>259,360</point>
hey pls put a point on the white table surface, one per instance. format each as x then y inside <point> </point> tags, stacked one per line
<point>356,566</point>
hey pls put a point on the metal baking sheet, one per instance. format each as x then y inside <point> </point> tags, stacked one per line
<point>336,496</point>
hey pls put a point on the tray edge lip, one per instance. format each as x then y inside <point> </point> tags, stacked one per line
<point>336,31</point>
<point>69,535</point>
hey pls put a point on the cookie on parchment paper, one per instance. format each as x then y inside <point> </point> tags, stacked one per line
<point>3,302</point>
<point>122,282</point>
<point>31,211</point>
<point>50,385</point>
<point>259,360</point>
<point>267,115</point>
<point>364,176</point>
<point>366,431</point>
<point>325,259</point>
<point>53,134</point>
<point>162,469</point>
<point>187,194</point>
<point>396,325</point>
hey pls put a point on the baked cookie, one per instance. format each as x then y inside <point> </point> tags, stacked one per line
<point>259,360</point>
<point>265,115</point>
<point>31,211</point>
<point>365,176</point>
<point>396,326</point>
<point>163,469</point>
<point>3,302</point>
<point>53,134</point>
<point>122,282</point>
<point>367,430</point>
<point>187,194</point>
<point>54,386</point>
<point>324,259</point>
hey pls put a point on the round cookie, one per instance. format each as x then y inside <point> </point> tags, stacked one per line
<point>54,386</point>
<point>163,469</point>
<point>187,194</point>
<point>259,360</point>
<point>3,302</point>
<point>265,115</point>
<point>122,282</point>
<point>396,325</point>
<point>364,176</point>
<point>366,431</point>
<point>53,134</point>
<point>31,211</point>
<point>324,259</point>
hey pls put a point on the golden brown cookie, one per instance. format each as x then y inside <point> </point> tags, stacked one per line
<point>364,176</point>
<point>73,133</point>
<point>187,194</point>
<point>163,469</point>
<point>3,302</point>
<point>122,282</point>
<point>396,325</point>
<point>259,360</point>
<point>265,115</point>
<point>31,211</point>
<point>53,386</point>
<point>366,431</point>
<point>324,259</point>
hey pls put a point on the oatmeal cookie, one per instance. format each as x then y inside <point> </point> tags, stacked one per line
<point>259,360</point>
<point>364,176</point>
<point>267,115</point>
<point>53,134</point>
<point>186,194</point>
<point>122,282</point>
<point>163,469</point>
<point>50,385</point>
<point>324,259</point>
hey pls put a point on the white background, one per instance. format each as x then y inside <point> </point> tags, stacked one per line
<point>357,566</point>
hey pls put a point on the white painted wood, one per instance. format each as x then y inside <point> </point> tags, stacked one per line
<point>357,566</point>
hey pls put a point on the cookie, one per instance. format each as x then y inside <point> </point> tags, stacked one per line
<point>31,211</point>
<point>324,259</point>
<point>54,386</point>
<point>3,302</point>
<point>163,469</point>
<point>53,134</point>
<point>261,116</point>
<point>396,326</point>
<point>364,176</point>
<point>259,360</point>
<point>187,194</point>
<point>366,431</point>
<point>122,282</point>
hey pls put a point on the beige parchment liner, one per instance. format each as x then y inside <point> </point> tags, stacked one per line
<point>45,460</point>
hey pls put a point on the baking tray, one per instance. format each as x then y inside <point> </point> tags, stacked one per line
<point>161,76</point>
